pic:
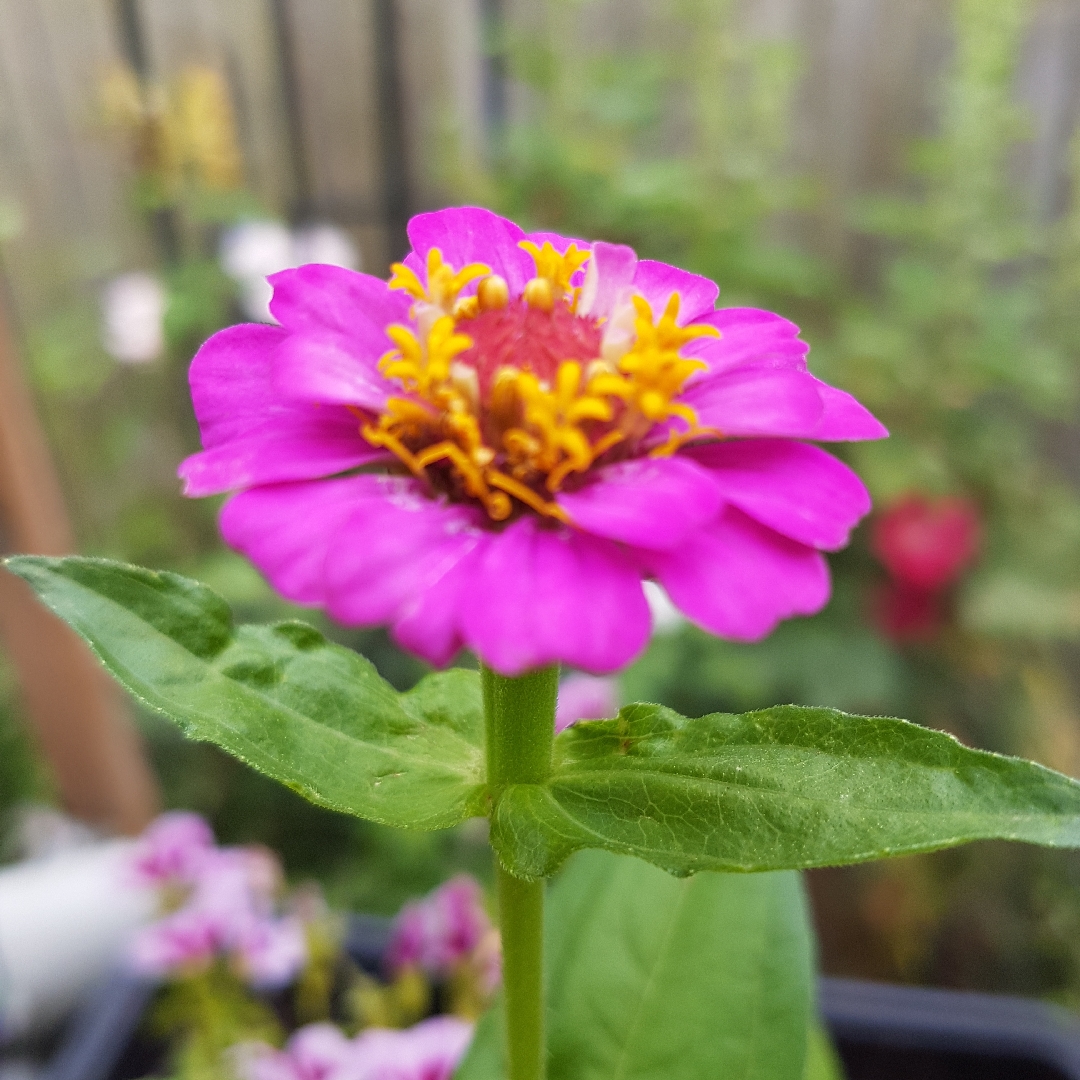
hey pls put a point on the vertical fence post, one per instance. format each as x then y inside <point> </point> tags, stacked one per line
<point>78,715</point>
<point>392,126</point>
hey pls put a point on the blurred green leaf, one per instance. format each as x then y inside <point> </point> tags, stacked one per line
<point>650,977</point>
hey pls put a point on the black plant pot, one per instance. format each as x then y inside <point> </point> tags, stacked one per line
<point>881,1032</point>
<point>910,1033</point>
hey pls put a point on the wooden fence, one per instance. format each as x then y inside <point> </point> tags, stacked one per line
<point>343,104</point>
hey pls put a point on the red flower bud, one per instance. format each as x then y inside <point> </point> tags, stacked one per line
<point>926,542</point>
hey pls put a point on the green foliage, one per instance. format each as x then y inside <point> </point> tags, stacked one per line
<point>785,788</point>
<point>204,1016</point>
<point>311,714</point>
<point>650,976</point>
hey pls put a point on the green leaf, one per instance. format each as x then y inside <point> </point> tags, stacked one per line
<point>486,1056</point>
<point>822,1060</point>
<point>655,978</point>
<point>309,713</point>
<point>783,788</point>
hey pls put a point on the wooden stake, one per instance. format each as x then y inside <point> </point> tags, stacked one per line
<point>79,716</point>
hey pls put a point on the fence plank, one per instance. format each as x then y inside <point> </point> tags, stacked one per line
<point>333,64</point>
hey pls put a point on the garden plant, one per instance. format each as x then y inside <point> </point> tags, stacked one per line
<point>491,452</point>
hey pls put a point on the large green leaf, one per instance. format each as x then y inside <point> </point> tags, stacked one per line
<point>783,788</point>
<point>311,714</point>
<point>655,978</point>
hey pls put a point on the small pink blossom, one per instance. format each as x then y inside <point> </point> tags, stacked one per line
<point>585,697</point>
<point>172,849</point>
<point>185,940</point>
<point>430,1050</point>
<point>441,930</point>
<point>271,951</point>
<point>315,1052</point>
<point>226,907</point>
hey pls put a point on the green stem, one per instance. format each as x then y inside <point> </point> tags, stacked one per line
<point>520,720</point>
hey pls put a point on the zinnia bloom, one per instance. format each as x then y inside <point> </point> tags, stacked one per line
<point>496,447</point>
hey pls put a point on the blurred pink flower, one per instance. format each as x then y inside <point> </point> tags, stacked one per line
<point>441,930</point>
<point>226,910</point>
<point>430,1050</point>
<point>315,1052</point>
<point>185,940</point>
<point>585,697</point>
<point>542,425</point>
<point>271,952</point>
<point>172,849</point>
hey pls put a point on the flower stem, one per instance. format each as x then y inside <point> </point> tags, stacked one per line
<point>520,720</point>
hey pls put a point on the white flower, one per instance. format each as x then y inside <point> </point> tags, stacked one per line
<point>325,244</point>
<point>666,617</point>
<point>254,250</point>
<point>133,312</point>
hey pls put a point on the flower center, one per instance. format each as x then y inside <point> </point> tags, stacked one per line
<point>505,399</point>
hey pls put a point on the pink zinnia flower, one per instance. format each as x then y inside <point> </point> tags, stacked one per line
<point>441,930</point>
<point>541,425</point>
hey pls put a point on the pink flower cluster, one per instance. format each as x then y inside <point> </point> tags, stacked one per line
<point>430,1050</point>
<point>448,927</point>
<point>220,903</point>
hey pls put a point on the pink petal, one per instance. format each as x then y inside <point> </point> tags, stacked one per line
<point>392,551</point>
<point>286,529</point>
<point>748,336</point>
<point>544,595</point>
<point>844,419</point>
<point>429,624</point>
<point>648,502</point>
<point>321,447</point>
<point>230,380</point>
<point>656,281</point>
<point>798,490</point>
<point>608,276</point>
<point>469,234</point>
<point>330,298</point>
<point>250,434</point>
<point>330,369</point>
<point>757,401</point>
<point>738,579</point>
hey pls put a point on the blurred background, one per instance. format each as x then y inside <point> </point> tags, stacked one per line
<point>900,177</point>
